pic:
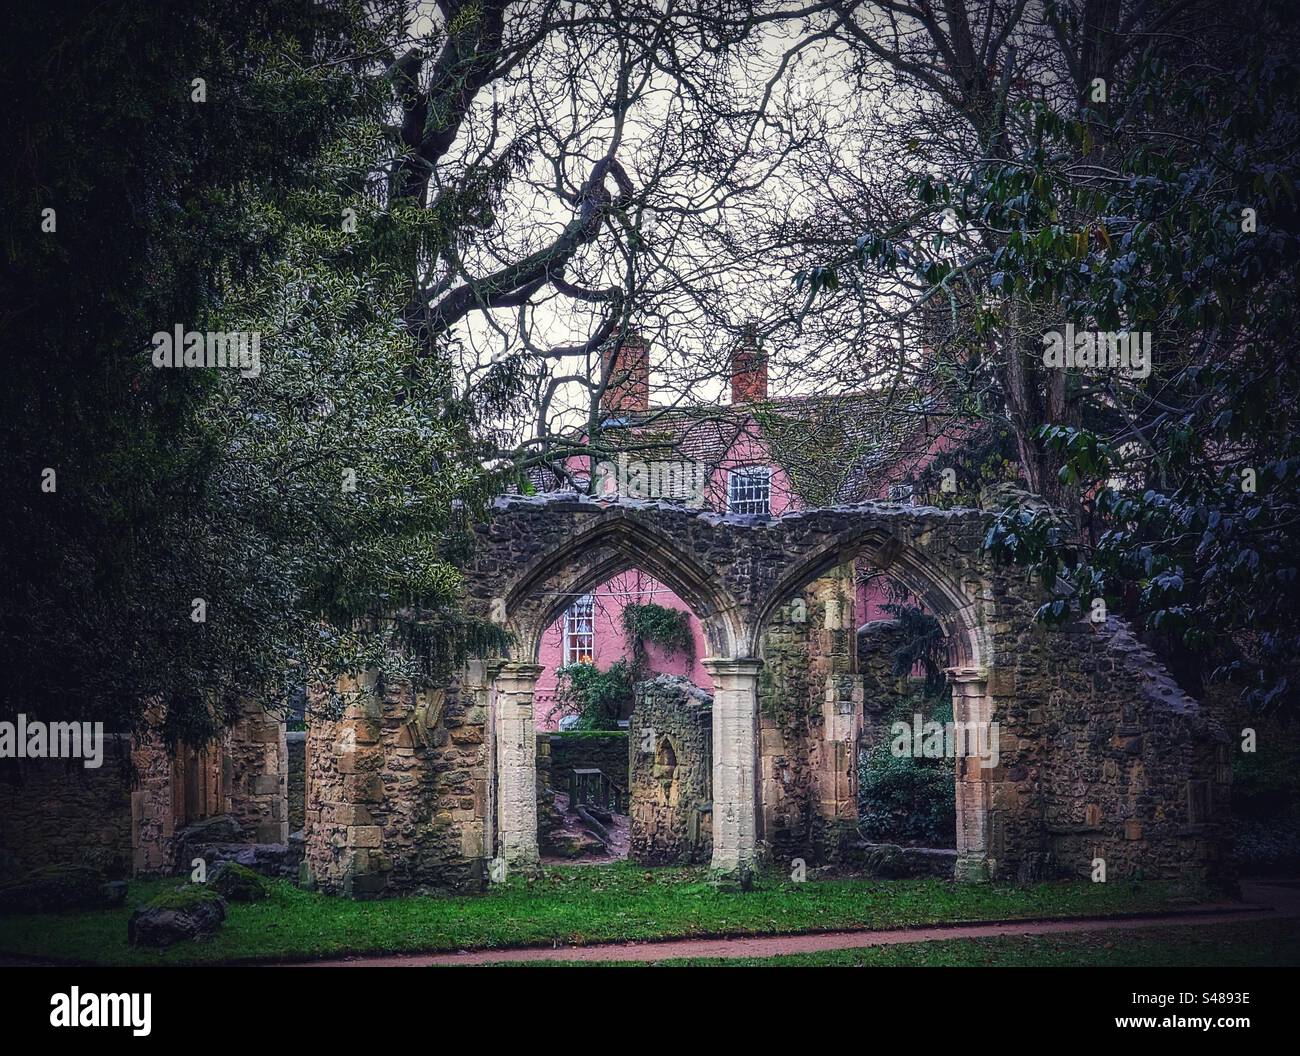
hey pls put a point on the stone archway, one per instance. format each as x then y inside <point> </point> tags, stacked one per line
<point>732,571</point>
<point>1096,750</point>
<point>958,595</point>
<point>604,546</point>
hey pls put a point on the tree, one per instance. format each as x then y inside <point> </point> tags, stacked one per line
<point>175,536</point>
<point>1105,165</point>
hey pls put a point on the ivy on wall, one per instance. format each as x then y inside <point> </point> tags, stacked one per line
<point>670,629</point>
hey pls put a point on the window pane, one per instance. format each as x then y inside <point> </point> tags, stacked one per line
<point>750,490</point>
<point>580,631</point>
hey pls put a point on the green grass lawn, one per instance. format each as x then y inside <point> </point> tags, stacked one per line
<point>583,904</point>
<point>1250,943</point>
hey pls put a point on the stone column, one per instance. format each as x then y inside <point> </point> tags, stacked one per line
<point>256,775</point>
<point>735,762</point>
<point>476,683</point>
<point>516,752</point>
<point>842,703</point>
<point>971,704</point>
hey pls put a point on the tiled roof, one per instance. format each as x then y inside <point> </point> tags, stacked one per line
<point>835,448</point>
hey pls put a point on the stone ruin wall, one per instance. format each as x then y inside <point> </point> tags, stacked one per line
<point>604,750</point>
<point>809,702</point>
<point>127,816</point>
<point>57,812</point>
<point>397,794</point>
<point>882,690</point>
<point>255,778</point>
<point>671,806</point>
<point>1103,757</point>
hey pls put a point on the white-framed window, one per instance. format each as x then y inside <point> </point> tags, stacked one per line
<point>900,493</point>
<point>749,490</point>
<point>580,631</point>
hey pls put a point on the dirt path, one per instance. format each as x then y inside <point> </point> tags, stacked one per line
<point>1261,900</point>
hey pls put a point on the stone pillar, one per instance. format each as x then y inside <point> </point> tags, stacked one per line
<point>516,752</point>
<point>837,772</point>
<point>971,704</point>
<point>735,761</point>
<point>152,816</point>
<point>256,777</point>
<point>477,682</point>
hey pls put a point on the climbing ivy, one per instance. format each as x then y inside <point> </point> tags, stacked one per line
<point>670,629</point>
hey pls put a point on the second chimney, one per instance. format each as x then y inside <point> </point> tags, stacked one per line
<point>748,371</point>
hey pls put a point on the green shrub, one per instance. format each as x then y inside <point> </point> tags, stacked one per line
<point>1266,783</point>
<point>599,698</point>
<point>1267,846</point>
<point>905,800</point>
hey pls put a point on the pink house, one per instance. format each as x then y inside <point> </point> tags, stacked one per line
<point>743,470</point>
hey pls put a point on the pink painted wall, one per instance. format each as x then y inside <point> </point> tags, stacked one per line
<point>635,587</point>
<point>751,451</point>
<point>611,642</point>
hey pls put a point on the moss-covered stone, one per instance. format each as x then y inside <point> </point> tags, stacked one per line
<point>238,883</point>
<point>187,912</point>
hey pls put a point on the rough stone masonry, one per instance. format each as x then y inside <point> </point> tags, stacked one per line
<point>435,788</point>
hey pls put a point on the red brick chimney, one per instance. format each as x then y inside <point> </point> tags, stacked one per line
<point>627,368</point>
<point>748,370</point>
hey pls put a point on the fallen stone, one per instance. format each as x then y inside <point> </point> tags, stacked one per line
<point>238,883</point>
<point>220,828</point>
<point>573,845</point>
<point>189,912</point>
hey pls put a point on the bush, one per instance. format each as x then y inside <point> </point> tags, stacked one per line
<point>1266,784</point>
<point>599,698</point>
<point>905,800</point>
<point>56,888</point>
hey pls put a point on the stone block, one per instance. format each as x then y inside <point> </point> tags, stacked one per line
<point>364,836</point>
<point>266,784</point>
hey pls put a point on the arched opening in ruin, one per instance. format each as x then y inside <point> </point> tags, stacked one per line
<point>581,661</point>
<point>621,690</point>
<point>874,713</point>
<point>906,792</point>
<point>777,787</point>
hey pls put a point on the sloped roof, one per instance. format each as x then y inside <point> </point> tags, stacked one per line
<point>835,448</point>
